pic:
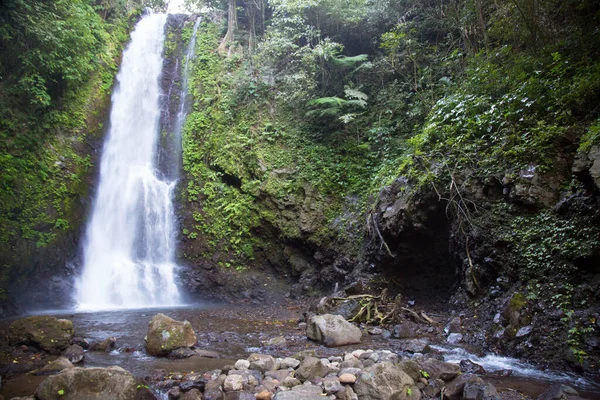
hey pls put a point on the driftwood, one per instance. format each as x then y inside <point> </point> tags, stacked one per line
<point>379,310</point>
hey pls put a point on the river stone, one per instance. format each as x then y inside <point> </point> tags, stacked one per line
<point>470,367</point>
<point>405,330</point>
<point>439,369</point>
<point>289,362</point>
<point>239,396</point>
<point>262,362</point>
<point>242,364</point>
<point>347,378</point>
<point>112,383</point>
<point>480,391</point>
<point>332,330</point>
<point>106,345</point>
<point>455,338</point>
<point>193,394</point>
<point>332,385</point>
<point>380,381</point>
<point>311,368</point>
<point>74,353</point>
<point>454,389</point>
<point>166,334</point>
<point>233,383</point>
<point>411,368</point>
<point>55,366</point>
<point>181,353</point>
<point>48,333</point>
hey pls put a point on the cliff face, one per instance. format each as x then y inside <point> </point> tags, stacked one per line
<point>514,258</point>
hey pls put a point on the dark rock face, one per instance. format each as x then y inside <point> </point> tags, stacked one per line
<point>113,383</point>
<point>48,333</point>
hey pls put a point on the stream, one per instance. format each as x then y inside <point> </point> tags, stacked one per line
<point>236,331</point>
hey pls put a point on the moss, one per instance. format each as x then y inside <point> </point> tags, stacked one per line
<point>517,302</point>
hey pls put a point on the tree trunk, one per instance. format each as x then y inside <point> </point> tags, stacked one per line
<point>232,25</point>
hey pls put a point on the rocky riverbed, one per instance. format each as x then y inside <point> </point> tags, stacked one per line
<point>258,352</point>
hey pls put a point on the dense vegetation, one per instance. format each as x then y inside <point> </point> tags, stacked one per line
<point>347,96</point>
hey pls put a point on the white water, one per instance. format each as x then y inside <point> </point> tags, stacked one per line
<point>493,363</point>
<point>130,241</point>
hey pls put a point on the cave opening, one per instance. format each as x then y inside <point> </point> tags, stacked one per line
<point>423,268</point>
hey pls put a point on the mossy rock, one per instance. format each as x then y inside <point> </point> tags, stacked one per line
<point>166,334</point>
<point>48,333</point>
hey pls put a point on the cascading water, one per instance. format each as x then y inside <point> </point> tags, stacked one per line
<point>130,243</point>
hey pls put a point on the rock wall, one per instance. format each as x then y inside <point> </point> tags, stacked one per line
<point>514,258</point>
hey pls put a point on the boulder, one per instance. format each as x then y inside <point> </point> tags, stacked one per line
<point>233,383</point>
<point>440,370</point>
<point>166,334</point>
<point>454,389</point>
<point>380,381</point>
<point>112,383</point>
<point>262,362</point>
<point>55,366</point>
<point>480,391</point>
<point>332,330</point>
<point>558,391</point>
<point>74,353</point>
<point>49,333</point>
<point>193,394</point>
<point>289,362</point>
<point>311,368</point>
<point>106,345</point>
<point>470,367</point>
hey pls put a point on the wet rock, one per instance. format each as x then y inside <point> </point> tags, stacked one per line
<point>454,389</point>
<point>440,370</point>
<point>410,393</point>
<point>480,391</point>
<point>181,353</point>
<point>470,367</point>
<point>112,383</point>
<point>48,333</point>
<point>433,388</point>
<point>213,393</point>
<point>81,342</point>
<point>347,308</point>
<point>455,338</point>
<point>453,326</point>
<point>415,345</point>
<point>74,353</point>
<point>193,394</point>
<point>262,362</point>
<point>311,368</point>
<point>405,330</point>
<point>55,366</point>
<point>143,393</point>
<point>380,381</point>
<point>558,392</point>
<point>207,353</point>
<point>332,330</point>
<point>106,345</point>
<point>249,377</point>
<point>375,331</point>
<point>198,384</point>
<point>174,393</point>
<point>166,334</point>
<point>524,331</point>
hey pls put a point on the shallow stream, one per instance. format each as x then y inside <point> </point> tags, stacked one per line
<point>235,332</point>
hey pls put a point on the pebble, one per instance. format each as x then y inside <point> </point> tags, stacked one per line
<point>347,378</point>
<point>264,395</point>
<point>242,364</point>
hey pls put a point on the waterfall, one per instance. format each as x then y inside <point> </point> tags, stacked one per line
<point>129,247</point>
